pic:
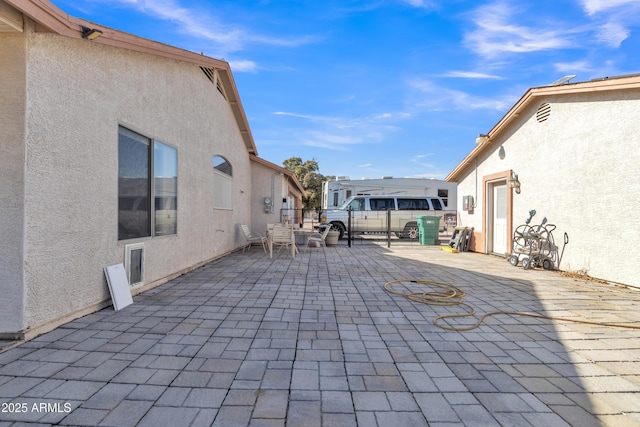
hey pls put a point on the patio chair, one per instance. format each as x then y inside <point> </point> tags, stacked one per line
<point>319,237</point>
<point>252,238</point>
<point>281,235</point>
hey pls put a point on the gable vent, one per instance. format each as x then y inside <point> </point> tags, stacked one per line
<point>543,113</point>
<point>213,78</point>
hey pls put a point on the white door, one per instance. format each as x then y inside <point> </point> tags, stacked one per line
<point>500,219</point>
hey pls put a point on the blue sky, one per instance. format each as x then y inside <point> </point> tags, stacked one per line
<point>373,88</point>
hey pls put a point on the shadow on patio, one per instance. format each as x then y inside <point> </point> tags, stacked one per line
<point>316,340</point>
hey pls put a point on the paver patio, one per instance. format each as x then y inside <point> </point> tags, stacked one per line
<point>317,341</point>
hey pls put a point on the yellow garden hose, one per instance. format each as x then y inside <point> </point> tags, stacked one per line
<point>449,295</point>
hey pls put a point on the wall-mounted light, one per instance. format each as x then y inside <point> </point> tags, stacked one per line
<point>501,152</point>
<point>481,138</point>
<point>90,33</point>
<point>513,182</point>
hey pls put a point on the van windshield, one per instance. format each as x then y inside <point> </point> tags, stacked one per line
<point>343,207</point>
<point>357,204</point>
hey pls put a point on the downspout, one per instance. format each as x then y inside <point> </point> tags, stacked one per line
<point>475,199</point>
<point>273,191</point>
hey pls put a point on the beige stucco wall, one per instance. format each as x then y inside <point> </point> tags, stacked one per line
<point>12,162</point>
<point>78,93</point>
<point>580,169</point>
<point>266,182</point>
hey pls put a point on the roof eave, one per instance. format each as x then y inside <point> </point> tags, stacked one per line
<point>280,169</point>
<point>54,19</point>
<point>608,84</point>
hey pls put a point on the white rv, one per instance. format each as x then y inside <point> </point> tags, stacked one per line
<point>336,192</point>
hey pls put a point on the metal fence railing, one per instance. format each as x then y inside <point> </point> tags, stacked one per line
<point>394,227</point>
<point>305,218</point>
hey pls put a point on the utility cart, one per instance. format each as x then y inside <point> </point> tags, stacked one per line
<point>534,245</point>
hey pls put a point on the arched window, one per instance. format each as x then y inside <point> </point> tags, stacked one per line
<point>222,183</point>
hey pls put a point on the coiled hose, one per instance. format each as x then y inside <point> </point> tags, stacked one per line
<point>449,295</point>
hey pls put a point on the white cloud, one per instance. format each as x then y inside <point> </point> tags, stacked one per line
<point>422,4</point>
<point>418,160</point>
<point>348,122</point>
<point>284,41</point>
<point>341,133</point>
<point>496,33</point>
<point>331,141</point>
<point>243,66</point>
<point>201,23</point>
<point>442,98</point>
<point>573,67</point>
<point>614,18</point>
<point>191,21</point>
<point>299,116</point>
<point>503,28</point>
<point>595,6</point>
<point>612,34</point>
<point>470,75</point>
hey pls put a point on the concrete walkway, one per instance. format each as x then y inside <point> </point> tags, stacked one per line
<point>316,341</point>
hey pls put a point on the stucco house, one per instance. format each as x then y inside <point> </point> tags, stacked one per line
<point>571,152</point>
<point>113,149</point>
<point>277,195</point>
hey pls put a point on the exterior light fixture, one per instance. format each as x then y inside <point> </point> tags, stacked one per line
<point>90,33</point>
<point>501,152</point>
<point>513,182</point>
<point>481,138</point>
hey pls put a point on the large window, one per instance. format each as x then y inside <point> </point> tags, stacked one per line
<point>222,183</point>
<point>147,186</point>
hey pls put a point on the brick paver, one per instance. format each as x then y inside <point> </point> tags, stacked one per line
<point>316,341</point>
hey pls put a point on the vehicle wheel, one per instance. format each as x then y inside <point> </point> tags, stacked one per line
<point>513,260</point>
<point>411,230</point>
<point>526,263</point>
<point>339,228</point>
<point>547,264</point>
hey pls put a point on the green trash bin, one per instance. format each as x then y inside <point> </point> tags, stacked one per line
<point>429,228</point>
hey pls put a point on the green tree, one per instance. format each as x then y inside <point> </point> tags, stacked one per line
<point>310,178</point>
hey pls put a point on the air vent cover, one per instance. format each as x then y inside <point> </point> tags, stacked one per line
<point>543,113</point>
<point>213,77</point>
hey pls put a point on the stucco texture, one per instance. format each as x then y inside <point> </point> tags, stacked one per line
<point>12,162</point>
<point>78,93</point>
<point>579,169</point>
<point>266,182</point>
